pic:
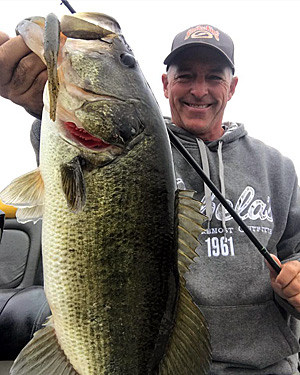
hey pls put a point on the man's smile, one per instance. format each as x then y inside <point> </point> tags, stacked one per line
<point>197,106</point>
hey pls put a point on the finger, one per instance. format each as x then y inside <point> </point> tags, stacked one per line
<point>11,52</point>
<point>273,273</point>
<point>3,37</point>
<point>287,284</point>
<point>292,290</point>
<point>290,272</point>
<point>26,73</point>
<point>32,99</point>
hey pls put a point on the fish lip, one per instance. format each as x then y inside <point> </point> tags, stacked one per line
<point>82,139</point>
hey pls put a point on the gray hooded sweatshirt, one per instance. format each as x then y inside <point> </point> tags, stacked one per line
<point>253,331</point>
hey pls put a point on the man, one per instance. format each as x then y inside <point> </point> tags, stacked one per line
<point>251,314</point>
<point>229,280</point>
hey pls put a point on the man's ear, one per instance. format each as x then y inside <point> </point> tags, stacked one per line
<point>164,79</point>
<point>233,84</point>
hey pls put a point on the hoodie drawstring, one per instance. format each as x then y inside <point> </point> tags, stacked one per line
<point>222,182</point>
<point>207,191</point>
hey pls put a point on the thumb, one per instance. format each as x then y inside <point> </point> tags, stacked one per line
<point>3,38</point>
<point>273,273</point>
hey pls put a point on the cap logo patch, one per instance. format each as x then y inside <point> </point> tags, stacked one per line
<point>203,32</point>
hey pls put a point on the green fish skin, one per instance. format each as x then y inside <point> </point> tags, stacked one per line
<point>106,190</point>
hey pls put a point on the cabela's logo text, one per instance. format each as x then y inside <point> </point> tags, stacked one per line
<point>202,32</point>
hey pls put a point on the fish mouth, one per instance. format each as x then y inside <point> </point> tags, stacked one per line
<point>82,137</point>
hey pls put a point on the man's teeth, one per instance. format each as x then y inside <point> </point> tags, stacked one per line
<point>200,106</point>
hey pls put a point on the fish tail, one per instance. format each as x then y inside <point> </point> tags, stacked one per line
<point>43,355</point>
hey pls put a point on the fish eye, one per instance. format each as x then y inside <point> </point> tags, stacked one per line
<point>128,60</point>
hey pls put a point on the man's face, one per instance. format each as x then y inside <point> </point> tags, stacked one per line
<point>198,85</point>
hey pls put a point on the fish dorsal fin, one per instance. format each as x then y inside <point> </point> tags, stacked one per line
<point>43,355</point>
<point>73,184</point>
<point>85,26</point>
<point>188,351</point>
<point>27,194</point>
<point>190,222</point>
<point>100,19</point>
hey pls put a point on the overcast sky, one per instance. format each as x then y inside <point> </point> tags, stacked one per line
<point>266,36</point>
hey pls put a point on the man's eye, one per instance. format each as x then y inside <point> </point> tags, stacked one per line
<point>215,77</point>
<point>184,76</point>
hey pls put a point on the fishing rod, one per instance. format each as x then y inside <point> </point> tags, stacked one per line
<point>67,4</point>
<point>189,158</point>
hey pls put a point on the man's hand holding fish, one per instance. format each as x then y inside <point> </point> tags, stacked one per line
<point>23,74</point>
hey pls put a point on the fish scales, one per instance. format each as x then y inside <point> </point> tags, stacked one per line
<point>118,253</point>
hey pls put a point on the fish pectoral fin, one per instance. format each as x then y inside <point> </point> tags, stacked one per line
<point>73,184</point>
<point>188,351</point>
<point>43,355</point>
<point>190,222</point>
<point>27,214</point>
<point>27,194</point>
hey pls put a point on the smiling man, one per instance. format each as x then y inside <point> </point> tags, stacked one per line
<point>253,328</point>
<point>199,84</point>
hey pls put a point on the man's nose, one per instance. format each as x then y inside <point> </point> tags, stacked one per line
<point>199,88</point>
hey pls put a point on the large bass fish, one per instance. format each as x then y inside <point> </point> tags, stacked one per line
<point>105,188</point>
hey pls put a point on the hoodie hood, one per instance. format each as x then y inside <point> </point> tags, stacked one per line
<point>233,131</point>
